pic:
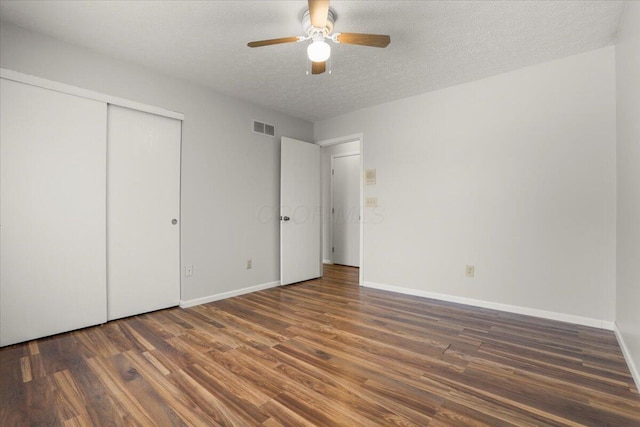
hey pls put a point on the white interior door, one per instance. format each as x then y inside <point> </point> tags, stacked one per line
<point>300,210</point>
<point>52,212</point>
<point>346,210</point>
<point>143,207</point>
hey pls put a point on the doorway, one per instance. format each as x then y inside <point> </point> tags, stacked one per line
<point>332,149</point>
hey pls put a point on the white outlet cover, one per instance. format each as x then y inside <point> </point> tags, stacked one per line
<point>470,271</point>
<point>372,202</point>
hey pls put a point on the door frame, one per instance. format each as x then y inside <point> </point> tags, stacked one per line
<point>341,140</point>
<point>333,157</point>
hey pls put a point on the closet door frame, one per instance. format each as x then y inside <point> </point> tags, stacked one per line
<point>85,93</point>
<point>14,76</point>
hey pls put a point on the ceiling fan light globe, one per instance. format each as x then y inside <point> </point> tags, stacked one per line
<point>319,51</point>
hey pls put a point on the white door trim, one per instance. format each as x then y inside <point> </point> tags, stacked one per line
<point>340,140</point>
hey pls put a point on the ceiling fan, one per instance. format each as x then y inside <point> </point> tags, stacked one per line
<point>317,23</point>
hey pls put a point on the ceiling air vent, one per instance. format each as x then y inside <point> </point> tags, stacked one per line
<point>264,128</point>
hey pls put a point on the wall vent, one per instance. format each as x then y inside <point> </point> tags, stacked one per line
<point>264,128</point>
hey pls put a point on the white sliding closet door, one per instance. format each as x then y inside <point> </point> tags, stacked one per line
<point>143,208</point>
<point>52,212</point>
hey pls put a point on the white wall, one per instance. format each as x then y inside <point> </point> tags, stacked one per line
<point>327,229</point>
<point>229,174</point>
<point>514,174</point>
<point>628,174</point>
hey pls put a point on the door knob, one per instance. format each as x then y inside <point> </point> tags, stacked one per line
<point>174,221</point>
<point>286,218</point>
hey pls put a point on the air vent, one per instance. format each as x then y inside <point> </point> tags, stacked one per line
<point>264,128</point>
<point>269,130</point>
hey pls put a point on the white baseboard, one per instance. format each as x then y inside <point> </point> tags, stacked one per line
<point>627,357</point>
<point>224,295</point>
<point>327,261</point>
<point>585,321</point>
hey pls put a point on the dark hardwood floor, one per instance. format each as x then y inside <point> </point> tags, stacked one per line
<point>324,352</point>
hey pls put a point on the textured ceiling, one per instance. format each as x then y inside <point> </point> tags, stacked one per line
<point>433,44</point>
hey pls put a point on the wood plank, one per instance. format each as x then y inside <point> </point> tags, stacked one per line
<point>13,402</point>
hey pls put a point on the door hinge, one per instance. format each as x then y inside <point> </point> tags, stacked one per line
<point>333,210</point>
<point>333,171</point>
<point>333,249</point>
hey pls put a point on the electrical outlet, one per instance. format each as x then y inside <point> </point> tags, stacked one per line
<point>249,264</point>
<point>470,271</point>
<point>372,202</point>
<point>188,270</point>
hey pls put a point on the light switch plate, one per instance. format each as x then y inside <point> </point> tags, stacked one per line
<point>372,202</point>
<point>370,176</point>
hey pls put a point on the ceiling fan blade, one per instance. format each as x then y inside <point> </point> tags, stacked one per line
<point>373,40</point>
<point>318,11</point>
<point>274,41</point>
<point>318,67</point>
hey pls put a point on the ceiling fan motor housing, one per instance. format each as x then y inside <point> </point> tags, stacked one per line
<point>311,30</point>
